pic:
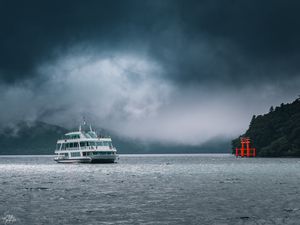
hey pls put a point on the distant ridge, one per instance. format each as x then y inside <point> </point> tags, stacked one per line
<point>276,133</point>
<point>30,138</point>
<point>39,138</point>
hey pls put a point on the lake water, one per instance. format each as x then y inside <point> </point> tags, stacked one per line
<point>150,189</point>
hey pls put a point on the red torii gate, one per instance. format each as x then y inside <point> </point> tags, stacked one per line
<point>250,152</point>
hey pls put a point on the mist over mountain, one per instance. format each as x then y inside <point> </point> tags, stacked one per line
<point>174,72</point>
<point>39,138</point>
<point>29,138</point>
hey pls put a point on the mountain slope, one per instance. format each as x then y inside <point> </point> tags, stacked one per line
<point>30,138</point>
<point>276,133</point>
<point>38,138</point>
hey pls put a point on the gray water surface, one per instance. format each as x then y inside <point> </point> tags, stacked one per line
<point>151,189</point>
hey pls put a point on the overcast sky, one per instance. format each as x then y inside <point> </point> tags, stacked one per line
<point>180,72</point>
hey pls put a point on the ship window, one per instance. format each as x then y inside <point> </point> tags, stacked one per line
<point>71,145</point>
<point>75,154</point>
<point>75,145</point>
<point>100,143</point>
<point>83,144</point>
<point>87,135</point>
<point>92,134</point>
<point>101,153</point>
<point>91,143</point>
<point>105,153</point>
<point>106,143</point>
<point>63,146</point>
<point>66,154</point>
<point>58,146</point>
<point>84,153</point>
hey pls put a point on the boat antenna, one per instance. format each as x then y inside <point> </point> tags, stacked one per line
<point>83,123</point>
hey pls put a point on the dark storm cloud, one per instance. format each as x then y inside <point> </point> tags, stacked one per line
<point>214,41</point>
<point>32,30</point>
<point>171,71</point>
<point>228,41</point>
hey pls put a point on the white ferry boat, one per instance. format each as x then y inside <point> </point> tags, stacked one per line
<point>85,147</point>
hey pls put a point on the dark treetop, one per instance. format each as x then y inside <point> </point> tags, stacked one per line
<point>276,133</point>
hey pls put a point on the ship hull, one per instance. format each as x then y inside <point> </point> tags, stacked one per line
<point>93,159</point>
<point>104,159</point>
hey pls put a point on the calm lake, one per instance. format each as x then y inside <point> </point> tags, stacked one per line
<point>151,189</point>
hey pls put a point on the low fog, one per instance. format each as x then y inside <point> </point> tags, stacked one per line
<point>129,95</point>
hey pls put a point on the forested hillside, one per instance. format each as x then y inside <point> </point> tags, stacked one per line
<point>276,133</point>
<point>30,138</point>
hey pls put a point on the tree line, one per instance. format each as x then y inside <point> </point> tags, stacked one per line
<point>275,134</point>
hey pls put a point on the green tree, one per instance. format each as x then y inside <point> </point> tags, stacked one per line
<point>276,133</point>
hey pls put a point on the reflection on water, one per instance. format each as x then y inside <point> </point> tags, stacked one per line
<point>150,189</point>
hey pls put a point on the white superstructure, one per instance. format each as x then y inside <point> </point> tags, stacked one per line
<point>85,147</point>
